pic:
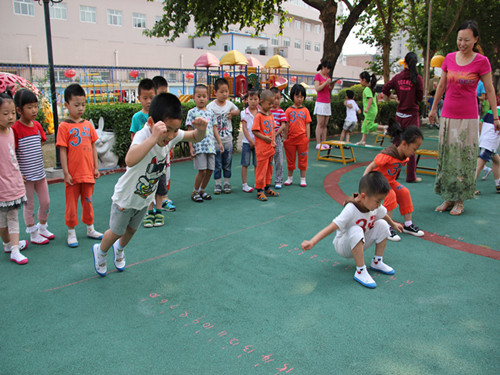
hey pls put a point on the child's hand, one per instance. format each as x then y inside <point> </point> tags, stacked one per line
<point>68,179</point>
<point>200,123</point>
<point>192,152</point>
<point>306,245</point>
<point>221,147</point>
<point>273,143</point>
<point>366,110</point>
<point>159,129</point>
<point>398,227</point>
<point>251,143</point>
<point>97,174</point>
<point>229,116</point>
<point>268,139</point>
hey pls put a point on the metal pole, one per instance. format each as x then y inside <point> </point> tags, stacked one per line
<point>427,55</point>
<point>53,93</point>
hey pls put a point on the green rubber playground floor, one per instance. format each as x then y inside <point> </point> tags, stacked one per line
<point>223,288</point>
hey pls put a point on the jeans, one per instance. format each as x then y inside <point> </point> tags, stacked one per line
<point>223,162</point>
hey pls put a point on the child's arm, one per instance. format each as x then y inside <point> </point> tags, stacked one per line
<point>348,105</point>
<point>217,138</point>
<point>137,152</point>
<point>192,153</point>
<point>370,167</point>
<point>368,105</point>
<point>97,174</point>
<point>247,134</point>
<point>132,136</point>
<point>199,133</point>
<point>234,112</point>
<point>63,153</point>
<point>392,223</point>
<point>259,135</point>
<point>308,131</point>
<point>281,128</point>
<point>326,231</point>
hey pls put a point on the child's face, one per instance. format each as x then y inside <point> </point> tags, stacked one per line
<point>76,107</point>
<point>222,93</point>
<point>28,111</point>
<point>161,90</point>
<point>7,114</point>
<point>145,98</point>
<point>201,97</point>
<point>253,101</point>
<point>372,202</point>
<point>277,100</point>
<point>267,104</point>
<point>363,82</point>
<point>298,99</point>
<point>172,125</point>
<point>410,149</point>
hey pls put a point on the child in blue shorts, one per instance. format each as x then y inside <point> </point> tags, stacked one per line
<point>248,143</point>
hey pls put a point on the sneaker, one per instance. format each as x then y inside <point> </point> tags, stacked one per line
<point>318,146</point>
<point>247,189</point>
<point>288,181</point>
<point>325,147</point>
<point>380,266</point>
<point>168,205</point>
<point>196,197</point>
<point>217,189</point>
<point>486,173</point>
<point>159,219</point>
<point>42,229</point>
<point>303,182</point>
<point>393,236</point>
<point>277,186</point>
<point>361,143</point>
<point>364,278</point>
<point>92,233</point>
<point>38,239</point>
<point>99,260</point>
<point>413,230</point>
<point>119,257</point>
<point>498,189</point>
<point>22,245</point>
<point>227,189</point>
<point>72,240</point>
<point>16,256</point>
<point>205,196</point>
<point>149,220</point>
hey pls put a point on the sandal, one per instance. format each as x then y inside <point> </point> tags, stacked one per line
<point>196,197</point>
<point>261,196</point>
<point>458,209</point>
<point>445,206</point>
<point>205,196</point>
<point>477,192</point>
<point>272,193</point>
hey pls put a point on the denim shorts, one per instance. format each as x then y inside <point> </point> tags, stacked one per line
<point>486,155</point>
<point>246,152</point>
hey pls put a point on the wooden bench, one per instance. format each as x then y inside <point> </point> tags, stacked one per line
<point>426,170</point>
<point>380,139</point>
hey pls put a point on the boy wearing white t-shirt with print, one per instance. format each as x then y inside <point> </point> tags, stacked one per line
<point>351,120</point>
<point>146,160</point>
<point>362,222</point>
<point>489,140</point>
<point>248,142</point>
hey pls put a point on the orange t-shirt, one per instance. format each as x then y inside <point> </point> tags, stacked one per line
<point>264,125</point>
<point>297,119</point>
<point>78,139</point>
<point>388,164</point>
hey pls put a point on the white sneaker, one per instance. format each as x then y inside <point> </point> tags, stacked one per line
<point>486,171</point>
<point>303,182</point>
<point>318,146</point>
<point>247,189</point>
<point>94,234</point>
<point>364,278</point>
<point>42,229</point>
<point>72,240</point>
<point>22,245</point>
<point>38,239</point>
<point>380,266</point>
<point>288,181</point>
<point>16,256</point>
<point>119,257</point>
<point>393,236</point>
<point>99,260</point>
<point>277,186</point>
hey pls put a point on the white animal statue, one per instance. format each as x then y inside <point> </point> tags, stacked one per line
<point>104,145</point>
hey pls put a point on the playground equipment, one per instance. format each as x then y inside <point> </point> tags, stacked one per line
<point>277,62</point>
<point>238,84</point>
<point>207,60</point>
<point>437,61</point>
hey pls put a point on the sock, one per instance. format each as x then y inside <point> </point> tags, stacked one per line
<point>360,269</point>
<point>259,190</point>
<point>302,179</point>
<point>497,182</point>
<point>376,258</point>
<point>218,181</point>
<point>6,245</point>
<point>71,232</point>
<point>245,185</point>
<point>408,223</point>
<point>151,212</point>
<point>267,187</point>
<point>100,252</point>
<point>226,180</point>
<point>117,244</point>
<point>90,227</point>
<point>486,168</point>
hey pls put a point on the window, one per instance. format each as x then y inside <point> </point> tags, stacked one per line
<point>317,47</point>
<point>88,14</point>
<point>275,40</point>
<point>297,24</point>
<point>286,41</point>
<point>287,23</point>
<point>58,11</point>
<point>307,45</point>
<point>297,43</point>
<point>307,26</point>
<point>226,47</point>
<point>24,7</point>
<point>139,20</point>
<point>114,17</point>
<point>317,29</point>
<point>276,20</point>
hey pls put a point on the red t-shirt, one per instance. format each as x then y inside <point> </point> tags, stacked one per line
<point>389,164</point>
<point>264,124</point>
<point>297,119</point>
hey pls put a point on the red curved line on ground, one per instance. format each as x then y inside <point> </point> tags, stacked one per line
<point>332,188</point>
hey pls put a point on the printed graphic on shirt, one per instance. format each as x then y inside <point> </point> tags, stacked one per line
<point>77,137</point>
<point>147,182</point>
<point>268,126</point>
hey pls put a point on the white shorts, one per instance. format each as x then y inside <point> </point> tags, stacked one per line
<point>323,109</point>
<point>344,245</point>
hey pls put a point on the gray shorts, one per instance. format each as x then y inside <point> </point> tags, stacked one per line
<point>121,218</point>
<point>204,161</point>
<point>162,189</point>
<point>350,126</point>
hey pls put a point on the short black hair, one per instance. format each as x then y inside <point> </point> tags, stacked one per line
<point>253,92</point>
<point>411,134</point>
<point>4,97</point>
<point>275,90</point>
<point>297,89</point>
<point>200,86</point>
<point>73,90</point>
<point>219,82</point>
<point>23,97</point>
<point>165,106</point>
<point>145,84</point>
<point>159,81</point>
<point>374,183</point>
<point>349,94</point>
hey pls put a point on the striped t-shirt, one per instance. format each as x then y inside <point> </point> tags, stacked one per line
<point>29,150</point>
<point>279,117</point>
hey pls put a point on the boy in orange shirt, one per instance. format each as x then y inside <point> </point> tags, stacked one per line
<point>263,129</point>
<point>76,141</point>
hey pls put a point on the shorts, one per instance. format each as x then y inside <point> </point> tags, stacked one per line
<point>204,161</point>
<point>344,244</point>
<point>486,155</point>
<point>246,154</point>
<point>323,109</point>
<point>9,219</point>
<point>349,126</point>
<point>162,190</point>
<point>121,218</point>
<point>368,126</point>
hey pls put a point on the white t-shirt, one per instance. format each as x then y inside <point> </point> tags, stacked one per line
<point>247,116</point>
<point>489,138</point>
<point>136,188</point>
<point>350,113</point>
<point>224,126</point>
<point>351,216</point>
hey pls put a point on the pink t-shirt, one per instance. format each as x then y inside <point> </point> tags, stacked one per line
<point>323,95</point>
<point>460,100</point>
<point>11,181</point>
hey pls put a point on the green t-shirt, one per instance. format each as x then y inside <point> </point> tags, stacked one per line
<point>367,94</point>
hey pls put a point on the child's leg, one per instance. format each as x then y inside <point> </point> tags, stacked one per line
<point>218,169</point>
<point>227,159</point>
<point>278,162</point>
<point>496,168</point>
<point>480,165</point>
<point>290,152</point>
<point>260,174</point>
<point>207,174</point>
<point>29,205</point>
<point>303,151</point>
<point>87,190</point>
<point>348,137</point>
<point>342,135</point>
<point>13,233</point>
<point>244,171</point>
<point>42,192</point>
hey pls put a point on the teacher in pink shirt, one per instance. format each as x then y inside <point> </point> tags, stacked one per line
<point>322,109</point>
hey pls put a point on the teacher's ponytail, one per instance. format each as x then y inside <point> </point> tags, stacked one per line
<point>411,62</point>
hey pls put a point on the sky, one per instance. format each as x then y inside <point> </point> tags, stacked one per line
<point>353,45</point>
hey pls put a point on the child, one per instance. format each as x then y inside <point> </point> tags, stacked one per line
<point>160,84</point>
<point>390,162</point>
<point>223,110</point>
<point>362,222</point>
<point>146,161</point>
<point>351,120</point>
<point>279,129</point>
<point>299,132</point>
<point>203,153</point>
<point>29,137</point>
<point>76,141</point>
<point>488,149</point>
<point>369,106</point>
<point>263,129</point>
<point>12,192</point>
<point>248,142</point>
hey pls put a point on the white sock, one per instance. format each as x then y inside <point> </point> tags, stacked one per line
<point>90,228</point>
<point>100,252</point>
<point>117,244</point>
<point>497,182</point>
<point>6,245</point>
<point>408,223</point>
<point>302,179</point>
<point>226,181</point>
<point>361,269</point>
<point>218,181</point>
<point>71,232</point>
